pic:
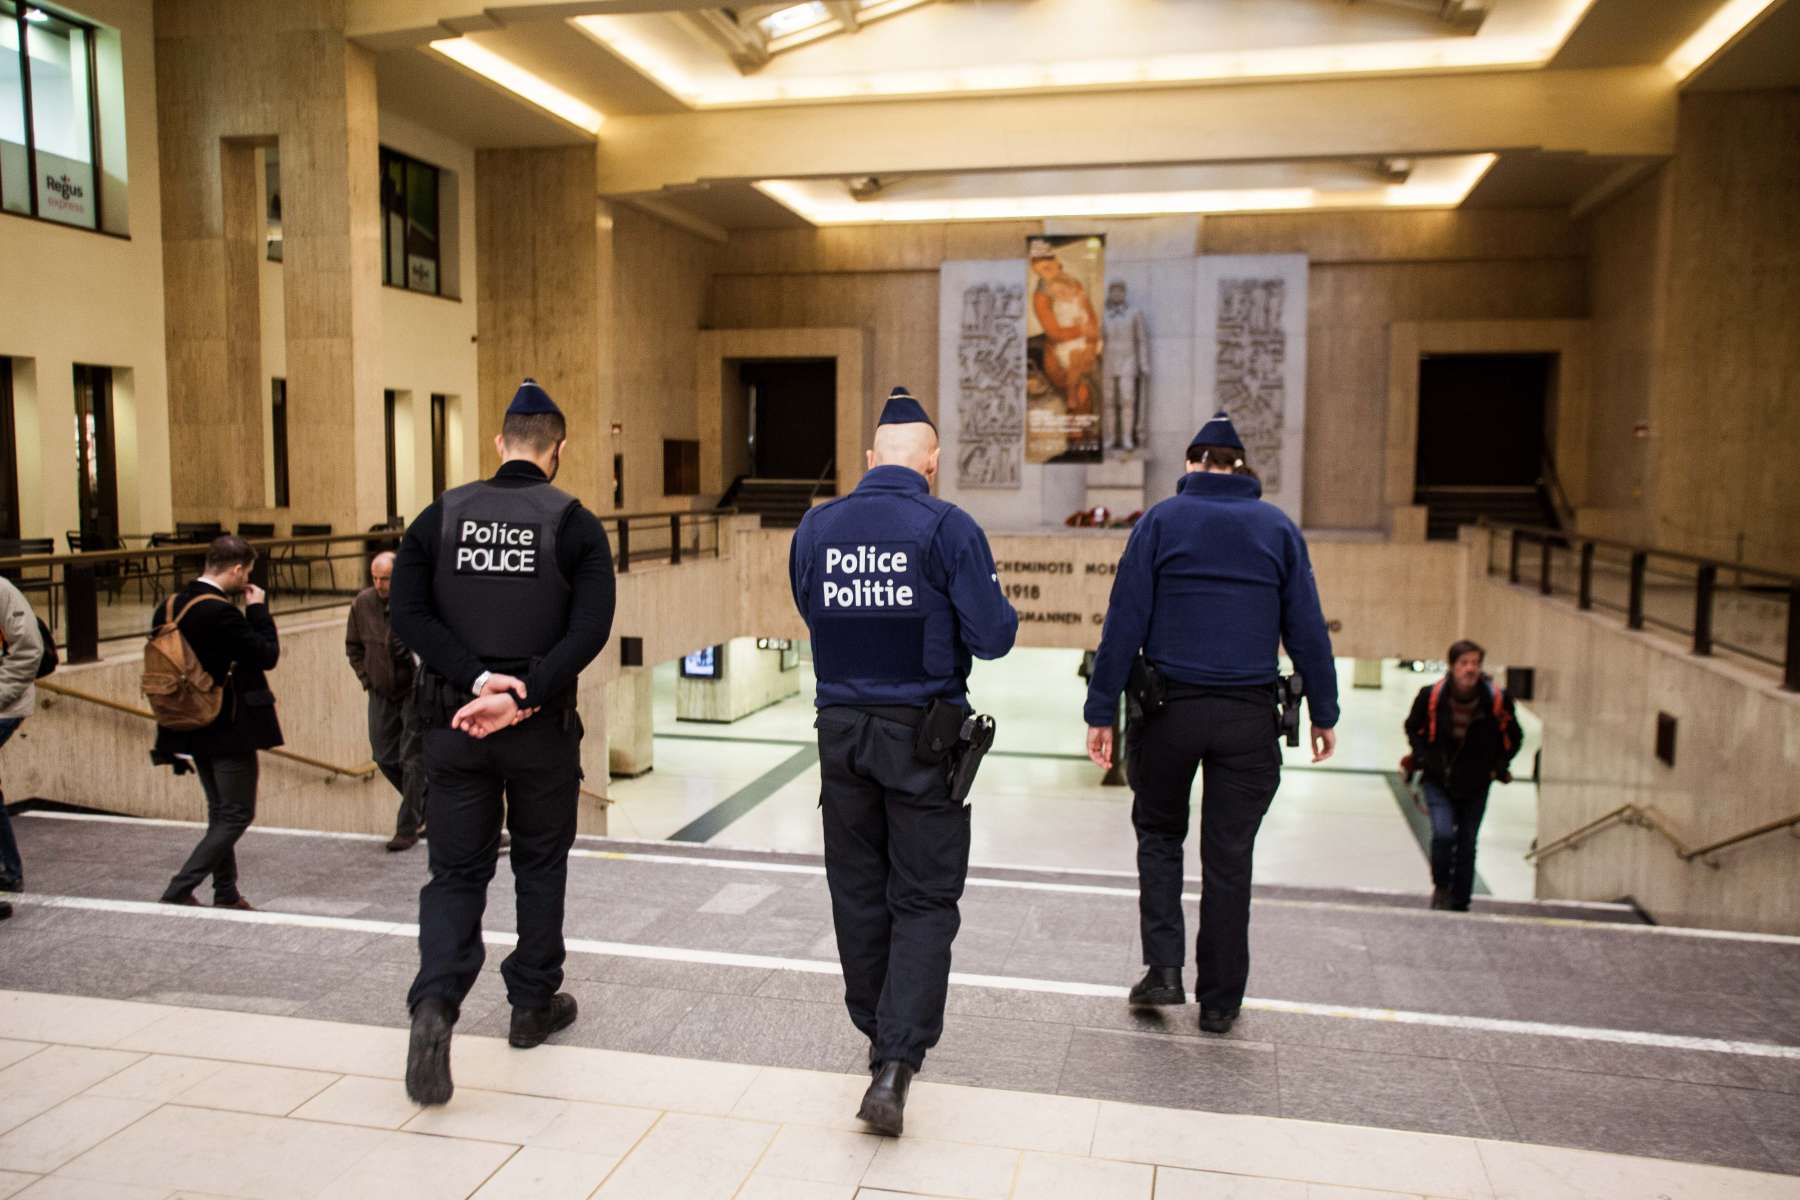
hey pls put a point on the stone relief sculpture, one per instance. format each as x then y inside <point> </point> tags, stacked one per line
<point>990,361</point>
<point>1250,370</point>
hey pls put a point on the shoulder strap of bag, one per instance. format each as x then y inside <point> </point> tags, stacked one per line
<point>188,607</point>
<point>1437,689</point>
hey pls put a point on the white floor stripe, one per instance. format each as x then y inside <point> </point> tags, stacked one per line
<point>785,868</point>
<point>724,958</point>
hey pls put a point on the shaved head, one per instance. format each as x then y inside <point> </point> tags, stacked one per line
<point>913,445</point>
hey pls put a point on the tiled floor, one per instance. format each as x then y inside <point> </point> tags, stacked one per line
<point>1039,801</point>
<point>121,1100</point>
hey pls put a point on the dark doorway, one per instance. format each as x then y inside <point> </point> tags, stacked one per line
<point>388,398</point>
<point>440,437</point>
<point>793,417</point>
<point>9,456</point>
<point>1481,419</point>
<point>1483,422</point>
<point>96,474</point>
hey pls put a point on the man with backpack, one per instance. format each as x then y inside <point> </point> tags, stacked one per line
<point>203,676</point>
<point>1463,733</point>
<point>21,666</point>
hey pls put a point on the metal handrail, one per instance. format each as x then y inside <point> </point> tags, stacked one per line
<point>1542,531</point>
<point>830,472</point>
<point>1649,818</point>
<point>366,771</point>
<point>1559,498</point>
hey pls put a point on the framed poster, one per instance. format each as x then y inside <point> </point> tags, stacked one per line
<point>1065,287</point>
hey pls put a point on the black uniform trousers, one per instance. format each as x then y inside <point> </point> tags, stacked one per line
<point>536,766</point>
<point>1231,736</point>
<point>229,781</point>
<point>896,856</point>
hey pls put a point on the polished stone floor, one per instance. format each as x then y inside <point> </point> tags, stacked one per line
<point>1525,1024</point>
<point>1039,801</point>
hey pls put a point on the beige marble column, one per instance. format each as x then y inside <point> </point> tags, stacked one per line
<point>541,239</point>
<point>630,721</point>
<point>232,74</point>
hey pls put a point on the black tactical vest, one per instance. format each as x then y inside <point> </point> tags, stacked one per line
<point>497,584</point>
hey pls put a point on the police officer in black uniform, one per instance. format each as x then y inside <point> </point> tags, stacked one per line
<point>504,588</point>
<point>1212,579</point>
<point>899,590</point>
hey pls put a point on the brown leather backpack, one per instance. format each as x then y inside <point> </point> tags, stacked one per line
<point>181,693</point>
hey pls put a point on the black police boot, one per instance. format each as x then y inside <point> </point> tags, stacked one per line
<point>5,909</point>
<point>1160,985</point>
<point>884,1104</point>
<point>1214,1020</point>
<point>530,1026</point>
<point>428,1053</point>
<point>1440,898</point>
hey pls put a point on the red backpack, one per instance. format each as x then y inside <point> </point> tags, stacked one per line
<point>1500,713</point>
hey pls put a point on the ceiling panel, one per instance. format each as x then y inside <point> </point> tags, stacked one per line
<point>564,56</point>
<point>420,85</point>
<point>1618,32</point>
<point>1768,56</point>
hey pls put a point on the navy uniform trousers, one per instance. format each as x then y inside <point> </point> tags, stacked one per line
<point>896,855</point>
<point>1231,736</point>
<point>536,765</point>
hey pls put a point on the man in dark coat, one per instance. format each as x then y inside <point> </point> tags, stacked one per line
<point>1463,733</point>
<point>385,669</point>
<point>235,648</point>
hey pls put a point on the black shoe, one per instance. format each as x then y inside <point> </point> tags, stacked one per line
<point>1440,898</point>
<point>11,883</point>
<point>1160,985</point>
<point>1214,1020</point>
<point>428,1054</point>
<point>185,900</point>
<point>530,1026</point>
<point>884,1104</point>
<point>5,909</point>
<point>402,841</point>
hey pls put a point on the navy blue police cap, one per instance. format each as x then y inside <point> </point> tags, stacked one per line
<point>902,409</point>
<point>1217,432</point>
<point>531,401</point>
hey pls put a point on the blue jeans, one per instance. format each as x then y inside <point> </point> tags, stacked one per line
<point>12,871</point>
<point>1454,826</point>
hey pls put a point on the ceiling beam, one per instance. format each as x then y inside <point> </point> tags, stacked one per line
<point>1622,111</point>
<point>396,24</point>
<point>747,45</point>
<point>844,11</point>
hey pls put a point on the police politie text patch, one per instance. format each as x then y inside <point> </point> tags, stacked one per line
<point>498,549</point>
<point>868,577</point>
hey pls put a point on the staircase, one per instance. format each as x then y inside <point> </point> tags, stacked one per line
<point>779,502</point>
<point>1450,508</point>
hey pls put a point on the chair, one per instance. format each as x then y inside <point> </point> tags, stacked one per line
<point>300,560</point>
<point>112,576</point>
<point>256,529</point>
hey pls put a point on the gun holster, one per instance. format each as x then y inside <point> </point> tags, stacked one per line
<point>1146,691</point>
<point>939,732</point>
<point>975,739</point>
<point>1289,691</point>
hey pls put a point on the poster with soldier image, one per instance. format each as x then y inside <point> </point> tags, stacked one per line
<point>1064,375</point>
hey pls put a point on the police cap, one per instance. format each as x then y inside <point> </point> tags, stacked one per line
<point>531,401</point>
<point>902,409</point>
<point>1217,432</point>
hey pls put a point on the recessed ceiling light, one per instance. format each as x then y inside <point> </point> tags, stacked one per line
<point>1434,183</point>
<point>1717,31</point>
<point>520,82</point>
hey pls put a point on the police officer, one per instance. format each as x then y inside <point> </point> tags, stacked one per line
<point>504,589</point>
<point>899,590</point>
<point>1211,580</point>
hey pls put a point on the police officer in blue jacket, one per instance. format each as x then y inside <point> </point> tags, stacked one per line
<point>1212,579</point>
<point>900,593</point>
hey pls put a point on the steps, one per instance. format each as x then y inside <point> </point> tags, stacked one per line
<point>779,502</point>
<point>1450,508</point>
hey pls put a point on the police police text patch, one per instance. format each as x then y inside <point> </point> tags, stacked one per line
<point>498,549</point>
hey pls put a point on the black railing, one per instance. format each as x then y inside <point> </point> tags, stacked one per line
<point>1748,611</point>
<point>111,595</point>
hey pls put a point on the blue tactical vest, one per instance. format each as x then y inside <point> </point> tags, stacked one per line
<point>883,627</point>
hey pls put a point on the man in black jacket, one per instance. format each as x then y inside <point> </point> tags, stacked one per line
<point>235,648</point>
<point>1463,733</point>
<point>384,667</point>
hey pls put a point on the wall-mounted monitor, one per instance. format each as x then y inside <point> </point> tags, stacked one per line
<point>708,662</point>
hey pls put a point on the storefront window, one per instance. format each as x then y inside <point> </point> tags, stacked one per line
<point>48,141</point>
